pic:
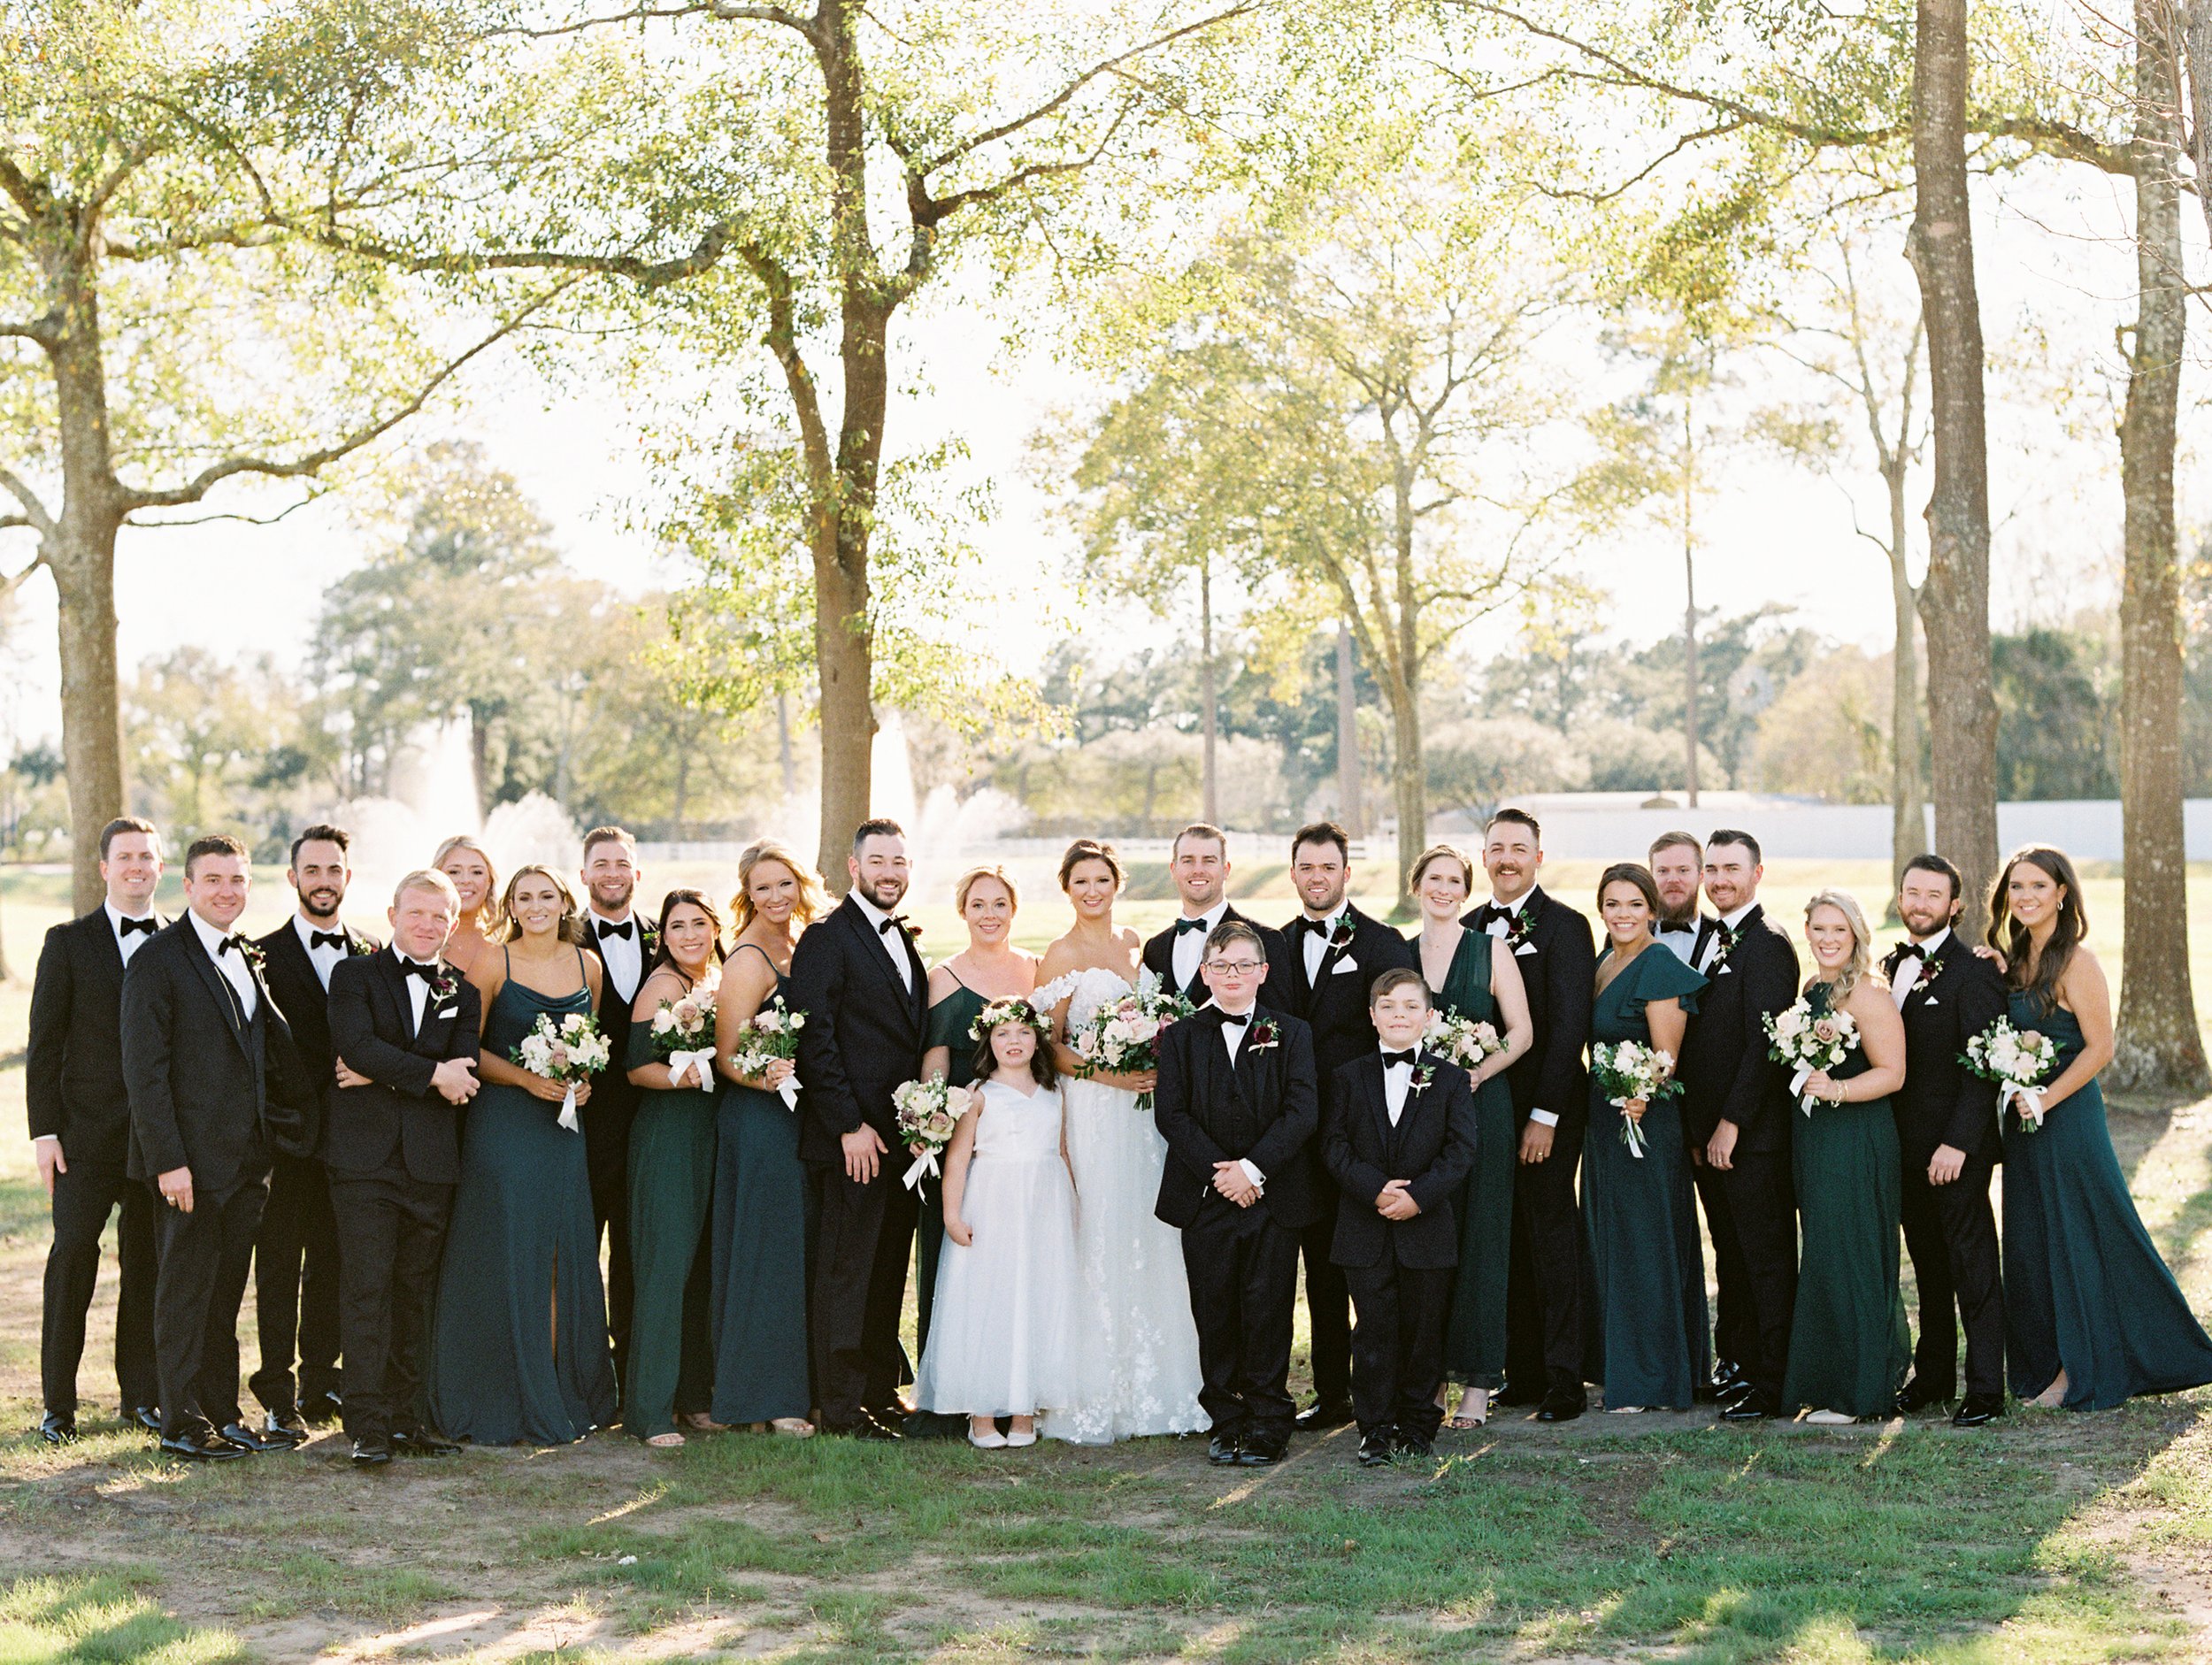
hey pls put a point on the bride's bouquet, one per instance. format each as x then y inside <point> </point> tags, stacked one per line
<point>2019,1061</point>
<point>1122,1036</point>
<point>568,1050</point>
<point>682,1036</point>
<point>773,1032</point>
<point>1463,1039</point>
<point>1629,1072</point>
<point>1808,1042</point>
<point>928,1111</point>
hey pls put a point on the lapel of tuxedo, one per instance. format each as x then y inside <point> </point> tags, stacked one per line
<point>875,950</point>
<point>219,987</point>
<point>391,976</point>
<point>109,951</point>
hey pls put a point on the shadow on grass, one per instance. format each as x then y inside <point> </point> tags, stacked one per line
<point>108,1618</point>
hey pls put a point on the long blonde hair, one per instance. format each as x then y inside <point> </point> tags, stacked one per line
<point>1860,964</point>
<point>571,928</point>
<point>491,917</point>
<point>813,900</point>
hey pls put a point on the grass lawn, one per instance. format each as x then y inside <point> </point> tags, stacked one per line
<point>2048,1537</point>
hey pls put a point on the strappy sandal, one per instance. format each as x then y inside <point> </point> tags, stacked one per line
<point>792,1427</point>
<point>665,1442</point>
<point>1461,1420</point>
<point>699,1422</point>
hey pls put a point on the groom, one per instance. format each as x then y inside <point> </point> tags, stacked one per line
<point>1237,1104</point>
<point>865,991</point>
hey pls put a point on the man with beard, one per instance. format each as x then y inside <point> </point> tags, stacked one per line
<point>626,943</point>
<point>296,1256</point>
<point>1677,862</point>
<point>1199,863</point>
<point>1948,1140</point>
<point>1551,947</point>
<point>865,991</point>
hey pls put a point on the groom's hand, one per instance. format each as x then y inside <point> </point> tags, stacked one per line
<point>864,1153</point>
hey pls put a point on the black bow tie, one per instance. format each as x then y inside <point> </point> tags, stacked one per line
<point>227,944</point>
<point>1490,913</point>
<point>1236,1020</point>
<point>416,968</point>
<point>325,939</point>
<point>897,919</point>
<point>1318,928</point>
<point>129,926</point>
<point>1398,1060</point>
<point>608,928</point>
<point>1910,951</point>
<point>1181,925</point>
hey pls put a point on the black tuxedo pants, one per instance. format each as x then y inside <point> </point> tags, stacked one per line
<point>1755,1251</point>
<point>1243,1273</point>
<point>204,1259</point>
<point>606,1122</point>
<point>1328,1305</point>
<point>1952,1237</point>
<point>391,1230</point>
<point>1398,1347</point>
<point>83,1199</point>
<point>1546,1275</point>
<point>867,1236</point>
<point>296,1286</point>
<point>1735,1331</point>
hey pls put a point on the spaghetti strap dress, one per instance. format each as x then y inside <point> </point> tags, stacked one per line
<point>947,1027</point>
<point>672,1193</point>
<point>1474,1334</point>
<point>519,1352</point>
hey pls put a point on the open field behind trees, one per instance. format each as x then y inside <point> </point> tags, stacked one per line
<point>2050,1537</point>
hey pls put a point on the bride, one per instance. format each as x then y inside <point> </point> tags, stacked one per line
<point>1137,1357</point>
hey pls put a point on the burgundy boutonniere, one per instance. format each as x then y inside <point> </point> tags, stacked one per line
<point>1929,971</point>
<point>1341,937</point>
<point>249,951</point>
<point>1727,940</point>
<point>1422,1076</point>
<point>1520,929</point>
<point>443,986</point>
<point>1263,1035</point>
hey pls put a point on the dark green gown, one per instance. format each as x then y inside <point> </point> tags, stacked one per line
<point>2084,1287</point>
<point>671,1193</point>
<point>1474,1334</point>
<point>1850,1348</point>
<point>1647,1274</point>
<point>762,1235</point>
<point>948,1021</point>
<point>520,1351</point>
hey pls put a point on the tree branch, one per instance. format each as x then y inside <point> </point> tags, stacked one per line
<point>35,512</point>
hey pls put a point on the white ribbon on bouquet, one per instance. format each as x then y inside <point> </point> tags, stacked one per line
<point>923,1167</point>
<point>567,1117</point>
<point>2030,1100</point>
<point>700,1061</point>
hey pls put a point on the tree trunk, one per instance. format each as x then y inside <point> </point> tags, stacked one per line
<point>783,745</point>
<point>1352,804</point>
<point>1411,788</point>
<point>1909,822</point>
<point>2158,1045</point>
<point>1689,608</point>
<point>844,663</point>
<point>1955,600</point>
<point>1209,697</point>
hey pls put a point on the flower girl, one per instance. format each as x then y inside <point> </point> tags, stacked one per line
<point>1001,1340</point>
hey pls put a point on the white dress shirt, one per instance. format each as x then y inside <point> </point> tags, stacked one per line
<point>1233,1036</point>
<point>1682,939</point>
<point>418,989</point>
<point>323,958</point>
<point>1908,971</point>
<point>875,917</point>
<point>1188,950</point>
<point>1314,946</point>
<point>232,965</point>
<point>1712,945</point>
<point>131,944</point>
<point>1498,928</point>
<point>624,956</point>
<point>1397,1083</point>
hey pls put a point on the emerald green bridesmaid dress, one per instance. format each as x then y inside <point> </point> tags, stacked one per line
<point>671,1193</point>
<point>1474,1333</point>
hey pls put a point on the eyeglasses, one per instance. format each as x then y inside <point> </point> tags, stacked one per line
<point>1236,968</point>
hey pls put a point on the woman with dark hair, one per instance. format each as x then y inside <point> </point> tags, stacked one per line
<point>1639,1211</point>
<point>519,1352</point>
<point>671,1176</point>
<point>2093,1316</point>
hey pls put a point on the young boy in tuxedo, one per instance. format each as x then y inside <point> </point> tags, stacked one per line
<point>1399,1139</point>
<point>1237,1103</point>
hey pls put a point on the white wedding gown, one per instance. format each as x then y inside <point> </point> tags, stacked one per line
<point>1137,1346</point>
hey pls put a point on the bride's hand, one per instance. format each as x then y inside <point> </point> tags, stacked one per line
<point>1131,1081</point>
<point>960,1233</point>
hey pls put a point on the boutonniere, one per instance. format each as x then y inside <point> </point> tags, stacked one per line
<point>445,985</point>
<point>1929,971</point>
<point>1519,929</point>
<point>1263,1035</point>
<point>1422,1076</point>
<point>249,951</point>
<point>1727,940</point>
<point>1341,937</point>
<point>357,946</point>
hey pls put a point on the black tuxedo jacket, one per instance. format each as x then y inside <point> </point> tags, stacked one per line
<point>398,1111</point>
<point>1266,1110</point>
<point>614,1011</point>
<point>1559,975</point>
<point>864,1033</point>
<point>1275,995</point>
<point>73,1075</point>
<point>1432,1146</point>
<point>1333,1004</point>
<point>1726,1075</point>
<point>206,1091</point>
<point>289,974</point>
<point>1942,1102</point>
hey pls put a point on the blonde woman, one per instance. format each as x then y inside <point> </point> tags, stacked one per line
<point>761,1228</point>
<point>1848,1348</point>
<point>476,881</point>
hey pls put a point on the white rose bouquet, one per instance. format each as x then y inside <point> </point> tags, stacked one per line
<point>2019,1061</point>
<point>1810,1042</point>
<point>1122,1036</point>
<point>682,1036</point>
<point>928,1112</point>
<point>771,1034</point>
<point>1628,1072</point>
<point>568,1050</point>
<point>1463,1039</point>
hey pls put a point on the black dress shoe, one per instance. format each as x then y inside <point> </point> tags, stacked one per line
<point>1726,1370</point>
<point>318,1408</point>
<point>1754,1407</point>
<point>201,1446</point>
<point>863,1427</point>
<point>248,1439</point>
<point>1917,1396</point>
<point>1729,1392</point>
<point>1413,1446</point>
<point>1375,1451</point>
<point>146,1416</point>
<point>1517,1393</point>
<point>59,1428</point>
<point>1324,1414</point>
<point>1977,1409</point>
<point>372,1451</point>
<point>423,1442</point>
<point>1221,1448</point>
<point>288,1426</point>
<point>1253,1452</point>
<point>1562,1405</point>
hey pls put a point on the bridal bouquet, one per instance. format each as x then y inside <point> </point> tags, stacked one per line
<point>928,1112</point>
<point>683,1036</point>
<point>2018,1061</point>
<point>1462,1040</point>
<point>772,1034</point>
<point>1122,1036</point>
<point>566,1050</point>
<point>1627,1073</point>
<point>1808,1042</point>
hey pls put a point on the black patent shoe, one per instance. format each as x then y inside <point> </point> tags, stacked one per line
<point>423,1442</point>
<point>1562,1405</point>
<point>251,1439</point>
<point>1221,1448</point>
<point>1754,1407</point>
<point>1375,1451</point>
<point>59,1428</point>
<point>147,1416</point>
<point>316,1409</point>
<point>288,1426</point>
<point>201,1446</point>
<point>1917,1396</point>
<point>1260,1454</point>
<point>1413,1446</point>
<point>1977,1409</point>
<point>1324,1415</point>
<point>372,1451</point>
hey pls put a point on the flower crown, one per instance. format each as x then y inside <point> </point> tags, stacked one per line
<point>1004,1011</point>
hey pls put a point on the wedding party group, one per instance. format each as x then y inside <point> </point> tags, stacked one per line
<point>540,1165</point>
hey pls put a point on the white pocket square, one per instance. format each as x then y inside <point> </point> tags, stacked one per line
<point>1929,1000</point>
<point>1723,969</point>
<point>1346,964</point>
<point>448,1011</point>
<point>1527,947</point>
